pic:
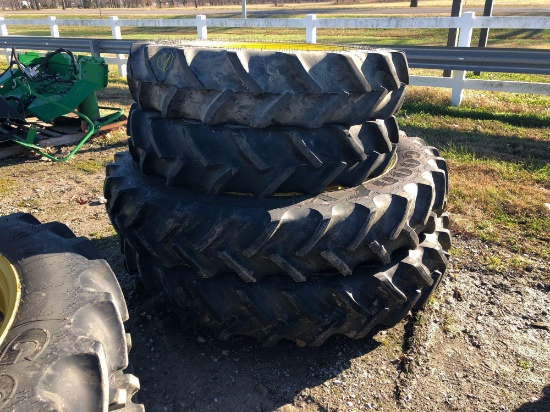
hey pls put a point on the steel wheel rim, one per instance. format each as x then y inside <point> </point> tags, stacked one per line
<point>10,295</point>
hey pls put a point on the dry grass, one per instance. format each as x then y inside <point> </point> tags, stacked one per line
<point>390,37</point>
<point>497,146</point>
<point>321,6</point>
<point>497,38</point>
<point>498,149</point>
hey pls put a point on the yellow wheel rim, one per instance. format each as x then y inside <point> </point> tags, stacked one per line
<point>10,295</point>
<point>272,46</point>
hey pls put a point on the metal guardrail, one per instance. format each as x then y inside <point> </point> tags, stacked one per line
<point>528,61</point>
<point>75,44</point>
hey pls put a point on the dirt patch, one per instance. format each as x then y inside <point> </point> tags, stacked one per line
<point>480,344</point>
<point>483,343</point>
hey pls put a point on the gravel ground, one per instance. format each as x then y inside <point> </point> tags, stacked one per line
<point>481,344</point>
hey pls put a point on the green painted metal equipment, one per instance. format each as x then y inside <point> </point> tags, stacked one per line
<point>49,88</point>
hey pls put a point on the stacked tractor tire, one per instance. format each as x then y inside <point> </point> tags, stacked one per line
<point>271,194</point>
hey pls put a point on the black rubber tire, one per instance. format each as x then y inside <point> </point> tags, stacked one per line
<point>260,88</point>
<point>67,348</point>
<point>289,235</point>
<point>309,312</point>
<point>240,159</point>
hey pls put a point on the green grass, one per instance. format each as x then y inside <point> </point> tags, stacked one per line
<point>498,149</point>
<point>525,365</point>
<point>390,37</point>
<point>497,145</point>
<point>104,242</point>
<point>450,326</point>
<point>29,203</point>
<point>432,302</point>
<point>7,185</point>
<point>521,38</point>
<point>89,166</point>
<point>493,262</point>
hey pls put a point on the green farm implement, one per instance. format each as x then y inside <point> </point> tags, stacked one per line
<point>44,96</point>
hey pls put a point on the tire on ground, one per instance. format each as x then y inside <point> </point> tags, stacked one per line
<point>309,312</point>
<point>260,161</point>
<point>280,235</point>
<point>260,88</point>
<point>66,349</point>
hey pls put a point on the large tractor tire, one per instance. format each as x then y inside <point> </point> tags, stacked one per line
<point>307,313</point>
<point>239,159</point>
<point>62,341</point>
<point>297,236</point>
<point>261,88</point>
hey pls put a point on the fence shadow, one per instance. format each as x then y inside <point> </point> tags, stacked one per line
<point>514,119</point>
<point>520,33</point>
<point>531,153</point>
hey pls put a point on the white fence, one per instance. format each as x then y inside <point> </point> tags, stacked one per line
<point>458,82</point>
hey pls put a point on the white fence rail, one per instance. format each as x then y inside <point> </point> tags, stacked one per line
<point>458,82</point>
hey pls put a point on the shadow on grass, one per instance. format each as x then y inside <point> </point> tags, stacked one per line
<point>532,154</point>
<point>151,31</point>
<point>30,157</point>
<point>485,145</point>
<point>514,119</point>
<point>520,33</point>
